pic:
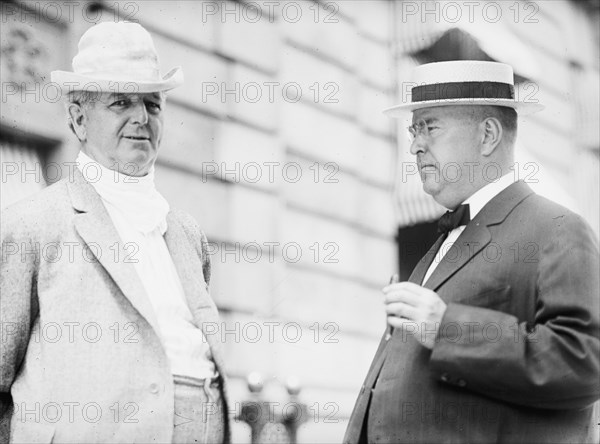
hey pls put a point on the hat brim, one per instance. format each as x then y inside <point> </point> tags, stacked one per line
<point>70,81</point>
<point>522,108</point>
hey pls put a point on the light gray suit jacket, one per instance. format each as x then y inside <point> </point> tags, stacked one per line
<point>81,360</point>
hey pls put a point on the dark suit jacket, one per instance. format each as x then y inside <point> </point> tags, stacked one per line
<point>516,358</point>
<point>81,360</point>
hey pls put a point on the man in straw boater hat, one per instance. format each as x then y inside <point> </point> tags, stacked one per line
<point>104,288</point>
<point>495,337</point>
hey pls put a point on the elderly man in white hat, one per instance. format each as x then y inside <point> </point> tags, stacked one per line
<point>495,337</point>
<point>104,288</point>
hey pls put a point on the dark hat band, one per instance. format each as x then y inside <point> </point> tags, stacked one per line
<point>463,90</point>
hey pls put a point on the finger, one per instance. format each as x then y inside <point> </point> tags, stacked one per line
<point>401,310</point>
<point>395,309</point>
<point>404,296</point>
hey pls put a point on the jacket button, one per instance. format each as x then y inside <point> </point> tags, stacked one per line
<point>445,377</point>
<point>462,383</point>
<point>154,388</point>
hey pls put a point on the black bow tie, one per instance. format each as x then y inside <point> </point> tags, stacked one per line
<point>452,219</point>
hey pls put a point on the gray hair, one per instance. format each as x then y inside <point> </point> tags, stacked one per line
<point>84,99</point>
<point>507,117</point>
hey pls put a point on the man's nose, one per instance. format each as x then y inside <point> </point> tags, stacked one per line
<point>419,145</point>
<point>139,113</point>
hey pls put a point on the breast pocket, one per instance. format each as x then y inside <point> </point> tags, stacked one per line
<point>496,298</point>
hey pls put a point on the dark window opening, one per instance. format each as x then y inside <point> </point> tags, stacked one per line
<point>413,243</point>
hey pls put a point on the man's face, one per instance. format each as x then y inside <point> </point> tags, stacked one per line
<point>123,131</point>
<point>449,157</point>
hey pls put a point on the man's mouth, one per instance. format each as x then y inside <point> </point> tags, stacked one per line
<point>136,137</point>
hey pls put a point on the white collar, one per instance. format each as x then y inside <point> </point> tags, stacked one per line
<point>135,198</point>
<point>482,196</point>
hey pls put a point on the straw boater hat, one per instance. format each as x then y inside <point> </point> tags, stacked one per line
<point>117,57</point>
<point>463,82</point>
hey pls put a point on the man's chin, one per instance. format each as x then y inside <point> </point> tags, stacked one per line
<point>136,166</point>
<point>430,186</point>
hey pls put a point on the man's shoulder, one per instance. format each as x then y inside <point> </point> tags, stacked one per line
<point>550,211</point>
<point>188,222</point>
<point>39,209</point>
<point>182,216</point>
<point>553,220</point>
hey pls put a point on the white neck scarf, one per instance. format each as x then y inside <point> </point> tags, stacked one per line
<point>135,198</point>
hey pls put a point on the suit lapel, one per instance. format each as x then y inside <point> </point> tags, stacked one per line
<point>189,268</point>
<point>187,263</point>
<point>476,236</point>
<point>97,230</point>
<point>420,270</point>
<point>471,241</point>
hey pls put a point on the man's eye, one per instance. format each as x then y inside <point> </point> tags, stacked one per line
<point>154,106</point>
<point>119,103</point>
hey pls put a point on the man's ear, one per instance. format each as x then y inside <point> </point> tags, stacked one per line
<point>77,118</point>
<point>492,135</point>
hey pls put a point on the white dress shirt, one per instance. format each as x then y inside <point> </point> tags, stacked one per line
<point>139,214</point>
<point>476,202</point>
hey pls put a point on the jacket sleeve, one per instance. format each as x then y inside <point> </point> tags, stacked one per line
<point>552,363</point>
<point>18,300</point>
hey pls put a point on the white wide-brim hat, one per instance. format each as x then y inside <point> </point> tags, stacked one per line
<point>117,57</point>
<point>464,82</point>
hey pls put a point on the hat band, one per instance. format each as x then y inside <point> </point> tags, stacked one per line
<point>463,90</point>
